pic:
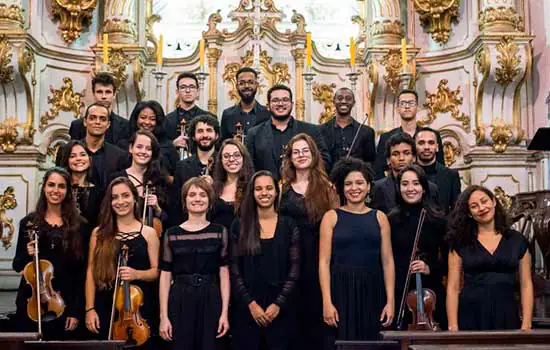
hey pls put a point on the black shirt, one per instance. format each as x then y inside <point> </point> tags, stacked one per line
<point>281,139</point>
<point>235,114</point>
<point>339,140</point>
<point>98,162</point>
<point>117,134</point>
<point>174,118</point>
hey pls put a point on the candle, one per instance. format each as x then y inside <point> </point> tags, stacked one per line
<point>201,52</point>
<point>351,52</point>
<point>160,44</point>
<point>105,48</point>
<point>308,50</point>
<point>404,53</point>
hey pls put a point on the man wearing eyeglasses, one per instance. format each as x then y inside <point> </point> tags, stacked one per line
<point>266,141</point>
<point>248,112</point>
<point>187,91</point>
<point>407,102</point>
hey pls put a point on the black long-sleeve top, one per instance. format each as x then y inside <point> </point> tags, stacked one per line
<point>69,270</point>
<point>250,274</point>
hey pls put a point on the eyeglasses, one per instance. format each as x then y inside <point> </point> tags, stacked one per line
<point>284,100</point>
<point>407,103</point>
<point>242,83</point>
<point>228,156</point>
<point>187,87</point>
<point>298,152</point>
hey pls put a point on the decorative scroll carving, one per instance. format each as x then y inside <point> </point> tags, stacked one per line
<point>26,61</point>
<point>393,66</point>
<point>118,61</point>
<point>450,152</point>
<point>6,70</point>
<point>125,27</point>
<point>501,17</point>
<point>501,134</point>
<point>508,60</point>
<point>324,94</point>
<point>150,36</point>
<point>213,20</point>
<point>63,99</point>
<point>300,22</point>
<point>12,14</point>
<point>7,202</point>
<point>8,134</point>
<point>504,199</point>
<point>437,16</point>
<point>445,101</point>
<point>277,73</point>
<point>138,69</point>
<point>72,16</point>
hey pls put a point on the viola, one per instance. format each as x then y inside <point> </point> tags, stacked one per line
<point>45,304</point>
<point>129,326</point>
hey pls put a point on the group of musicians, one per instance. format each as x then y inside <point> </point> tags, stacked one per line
<point>266,232</point>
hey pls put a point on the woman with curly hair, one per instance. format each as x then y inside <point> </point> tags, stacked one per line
<point>355,259</point>
<point>490,253</point>
<point>233,169</point>
<point>306,195</point>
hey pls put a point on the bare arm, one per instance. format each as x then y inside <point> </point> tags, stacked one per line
<point>164,288</point>
<point>90,282</point>
<point>388,264</point>
<point>153,245</point>
<point>225,288</point>
<point>526,284</point>
<point>453,289</point>
<point>325,252</point>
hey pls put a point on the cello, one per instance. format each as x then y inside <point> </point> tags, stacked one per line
<point>129,326</point>
<point>421,301</point>
<point>45,304</point>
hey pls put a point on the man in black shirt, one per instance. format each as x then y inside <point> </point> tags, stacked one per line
<point>104,91</point>
<point>187,90</point>
<point>447,180</point>
<point>406,107</point>
<point>340,131</point>
<point>248,112</point>
<point>265,142</point>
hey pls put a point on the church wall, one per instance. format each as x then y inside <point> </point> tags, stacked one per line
<point>539,15</point>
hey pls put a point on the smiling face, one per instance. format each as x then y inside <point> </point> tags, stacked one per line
<point>97,121</point>
<point>344,102</point>
<point>301,155</point>
<point>247,86</point>
<point>122,200</point>
<point>232,159</point>
<point>196,201</point>
<point>280,104</point>
<point>55,189</point>
<point>482,207</point>
<point>264,192</point>
<point>205,136</point>
<point>79,160</point>
<point>411,189</point>
<point>147,119</point>
<point>356,188</point>
<point>141,150</point>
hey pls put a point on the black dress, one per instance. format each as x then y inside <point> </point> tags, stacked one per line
<point>222,213</point>
<point>267,278</point>
<point>194,303</point>
<point>487,300</point>
<point>88,201</point>
<point>311,326</point>
<point>357,284</point>
<point>69,278</point>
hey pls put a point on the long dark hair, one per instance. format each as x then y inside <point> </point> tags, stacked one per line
<point>107,245</point>
<point>249,235</point>
<point>463,228</point>
<point>220,174</point>
<point>159,116</point>
<point>66,155</point>
<point>432,210</point>
<point>72,221</point>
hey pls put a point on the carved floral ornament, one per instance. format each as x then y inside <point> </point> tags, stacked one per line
<point>504,199</point>
<point>450,152</point>
<point>6,70</point>
<point>7,202</point>
<point>501,135</point>
<point>437,16</point>
<point>324,94</point>
<point>13,14</point>
<point>508,60</point>
<point>392,64</point>
<point>500,18</point>
<point>445,101</point>
<point>118,61</point>
<point>73,15</point>
<point>8,134</point>
<point>63,99</point>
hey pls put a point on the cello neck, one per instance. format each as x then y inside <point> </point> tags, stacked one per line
<point>419,298</point>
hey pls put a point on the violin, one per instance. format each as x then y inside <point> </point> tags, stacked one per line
<point>129,326</point>
<point>208,168</point>
<point>148,217</point>
<point>421,301</point>
<point>45,304</point>
<point>239,132</point>
<point>183,151</point>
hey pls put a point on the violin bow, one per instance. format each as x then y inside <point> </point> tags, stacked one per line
<point>37,272</point>
<point>357,134</point>
<point>145,203</point>
<point>110,336</point>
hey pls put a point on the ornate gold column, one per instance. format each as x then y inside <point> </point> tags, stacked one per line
<point>386,27</point>
<point>299,56</point>
<point>499,16</point>
<point>214,55</point>
<point>11,16</point>
<point>120,21</point>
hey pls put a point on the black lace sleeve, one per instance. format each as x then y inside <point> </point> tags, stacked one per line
<point>22,258</point>
<point>165,263</point>
<point>224,253</point>
<point>289,285</point>
<point>238,285</point>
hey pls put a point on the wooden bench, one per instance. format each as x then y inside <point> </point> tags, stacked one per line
<point>76,345</point>
<point>15,341</point>
<point>408,338</point>
<point>367,345</point>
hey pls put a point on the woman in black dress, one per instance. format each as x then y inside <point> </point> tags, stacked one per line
<point>233,169</point>
<point>194,279</point>
<point>265,266</point>
<point>76,159</point>
<point>119,225</point>
<point>307,195</point>
<point>413,197</point>
<point>490,253</point>
<point>60,229</point>
<point>355,259</point>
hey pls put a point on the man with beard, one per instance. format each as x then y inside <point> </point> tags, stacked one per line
<point>187,91</point>
<point>340,131</point>
<point>406,107</point>
<point>266,142</point>
<point>104,91</point>
<point>204,131</point>
<point>446,179</point>
<point>401,153</point>
<point>248,111</point>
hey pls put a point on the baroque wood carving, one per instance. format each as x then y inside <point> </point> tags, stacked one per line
<point>6,70</point>
<point>508,60</point>
<point>63,99</point>
<point>324,94</point>
<point>73,15</point>
<point>445,101</point>
<point>7,202</point>
<point>437,16</point>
